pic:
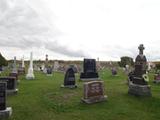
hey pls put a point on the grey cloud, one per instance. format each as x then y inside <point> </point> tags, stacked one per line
<point>23,27</point>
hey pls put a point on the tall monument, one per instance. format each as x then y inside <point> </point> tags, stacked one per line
<point>138,79</point>
<point>30,74</point>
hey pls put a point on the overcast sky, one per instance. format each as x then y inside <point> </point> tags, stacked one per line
<point>74,29</point>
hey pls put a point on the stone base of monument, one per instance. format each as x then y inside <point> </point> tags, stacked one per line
<point>30,77</point>
<point>139,90</point>
<point>94,99</point>
<point>68,86</point>
<point>89,79</point>
<point>5,113</point>
<point>12,92</point>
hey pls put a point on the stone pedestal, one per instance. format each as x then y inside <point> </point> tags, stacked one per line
<point>139,90</point>
<point>5,113</point>
<point>12,92</point>
<point>95,99</point>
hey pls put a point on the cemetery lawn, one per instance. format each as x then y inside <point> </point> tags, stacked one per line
<point>43,99</point>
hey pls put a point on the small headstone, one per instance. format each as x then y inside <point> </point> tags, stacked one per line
<point>69,80</point>
<point>138,79</point>
<point>89,70</point>
<point>157,78</point>
<point>114,71</point>
<point>11,84</point>
<point>94,92</point>
<point>21,69</point>
<point>5,112</point>
<point>49,71</point>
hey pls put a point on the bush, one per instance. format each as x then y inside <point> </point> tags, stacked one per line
<point>125,60</point>
<point>3,61</point>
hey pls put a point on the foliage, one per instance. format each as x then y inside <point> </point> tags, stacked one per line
<point>3,61</point>
<point>125,60</point>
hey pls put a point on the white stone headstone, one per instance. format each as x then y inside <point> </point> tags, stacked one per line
<point>30,74</point>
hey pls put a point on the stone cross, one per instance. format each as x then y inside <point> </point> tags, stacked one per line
<point>141,48</point>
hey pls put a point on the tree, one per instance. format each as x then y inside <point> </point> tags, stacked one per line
<point>125,60</point>
<point>3,61</point>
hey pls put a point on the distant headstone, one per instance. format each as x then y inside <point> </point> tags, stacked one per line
<point>30,74</point>
<point>69,80</point>
<point>94,92</point>
<point>21,69</point>
<point>49,71</point>
<point>156,78</point>
<point>114,71</point>
<point>11,84</point>
<point>138,79</point>
<point>5,112</point>
<point>89,70</point>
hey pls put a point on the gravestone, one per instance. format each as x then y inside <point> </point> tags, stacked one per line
<point>138,79</point>
<point>114,71</point>
<point>69,80</point>
<point>89,70</point>
<point>156,78</point>
<point>14,72</point>
<point>74,67</point>
<point>5,112</point>
<point>30,74</point>
<point>49,71</point>
<point>21,69</point>
<point>11,84</point>
<point>94,92</point>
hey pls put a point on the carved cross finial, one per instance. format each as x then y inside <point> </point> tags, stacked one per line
<point>141,48</point>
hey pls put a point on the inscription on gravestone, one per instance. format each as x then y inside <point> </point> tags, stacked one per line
<point>94,92</point>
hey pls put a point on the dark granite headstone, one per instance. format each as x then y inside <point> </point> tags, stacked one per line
<point>94,92</point>
<point>69,80</point>
<point>49,70</point>
<point>1,68</point>
<point>5,112</point>
<point>138,79</point>
<point>114,71</point>
<point>11,84</point>
<point>2,95</point>
<point>89,70</point>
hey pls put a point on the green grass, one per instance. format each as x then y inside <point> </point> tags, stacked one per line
<point>43,99</point>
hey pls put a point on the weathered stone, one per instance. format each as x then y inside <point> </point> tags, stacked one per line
<point>94,92</point>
